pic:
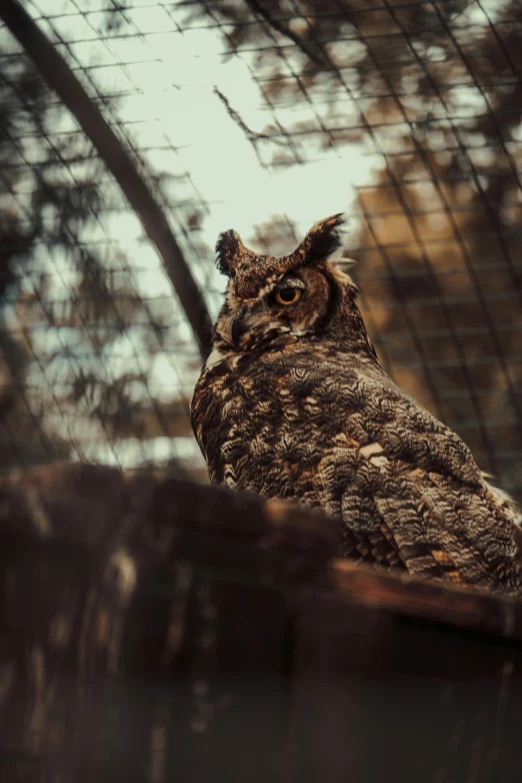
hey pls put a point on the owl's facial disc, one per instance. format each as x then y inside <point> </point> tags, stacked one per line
<point>269,297</point>
<point>293,304</point>
<point>300,299</point>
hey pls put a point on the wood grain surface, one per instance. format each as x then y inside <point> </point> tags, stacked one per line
<point>157,630</point>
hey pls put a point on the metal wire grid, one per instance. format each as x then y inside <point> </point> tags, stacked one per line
<point>444,314</point>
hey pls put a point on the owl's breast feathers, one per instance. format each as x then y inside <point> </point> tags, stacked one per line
<point>332,431</point>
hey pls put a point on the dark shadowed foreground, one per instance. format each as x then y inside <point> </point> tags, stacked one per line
<point>156,630</point>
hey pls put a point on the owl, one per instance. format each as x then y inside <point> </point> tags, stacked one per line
<point>293,404</point>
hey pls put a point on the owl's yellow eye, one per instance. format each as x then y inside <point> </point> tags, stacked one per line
<point>288,296</point>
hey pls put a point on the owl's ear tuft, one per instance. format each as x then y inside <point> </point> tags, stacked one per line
<point>323,239</point>
<point>229,249</point>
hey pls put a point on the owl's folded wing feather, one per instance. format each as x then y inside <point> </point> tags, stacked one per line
<point>419,503</point>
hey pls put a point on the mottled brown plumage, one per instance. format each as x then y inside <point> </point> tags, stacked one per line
<point>293,403</point>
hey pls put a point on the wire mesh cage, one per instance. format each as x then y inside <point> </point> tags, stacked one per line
<point>264,117</point>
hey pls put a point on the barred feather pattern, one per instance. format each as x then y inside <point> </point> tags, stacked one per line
<point>293,404</point>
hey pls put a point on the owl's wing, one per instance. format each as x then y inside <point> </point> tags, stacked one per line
<point>418,502</point>
<point>398,518</point>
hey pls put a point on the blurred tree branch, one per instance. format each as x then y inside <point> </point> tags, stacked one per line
<point>118,161</point>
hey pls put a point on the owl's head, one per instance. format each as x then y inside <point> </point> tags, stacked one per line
<point>302,294</point>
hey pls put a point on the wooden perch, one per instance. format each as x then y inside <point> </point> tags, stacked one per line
<point>152,629</point>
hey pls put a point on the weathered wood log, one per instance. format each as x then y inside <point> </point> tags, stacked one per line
<point>154,629</point>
